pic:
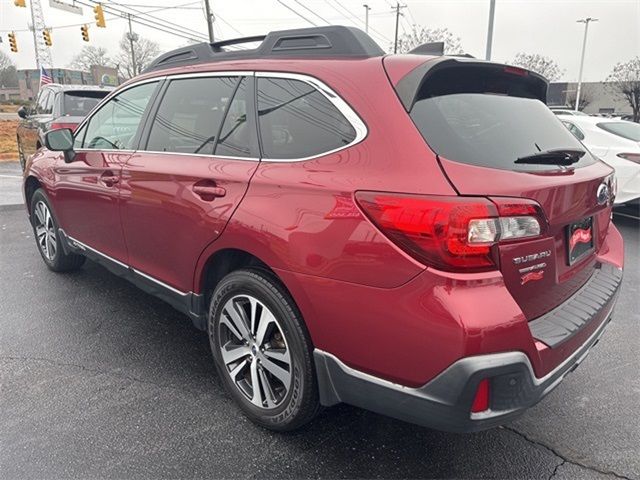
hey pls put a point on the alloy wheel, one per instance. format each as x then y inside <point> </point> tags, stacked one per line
<point>254,351</point>
<point>45,231</point>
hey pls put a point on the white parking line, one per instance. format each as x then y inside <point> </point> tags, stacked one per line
<point>10,176</point>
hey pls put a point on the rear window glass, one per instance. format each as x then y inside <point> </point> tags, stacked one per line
<point>492,130</point>
<point>628,130</point>
<point>78,104</point>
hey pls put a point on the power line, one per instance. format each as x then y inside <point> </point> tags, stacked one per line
<point>349,13</point>
<point>297,13</point>
<point>312,12</point>
<point>148,15</point>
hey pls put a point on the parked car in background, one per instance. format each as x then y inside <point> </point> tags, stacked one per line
<point>56,106</point>
<point>567,111</point>
<point>616,142</point>
<point>417,235</point>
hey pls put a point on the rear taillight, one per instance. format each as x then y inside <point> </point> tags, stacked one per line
<point>451,233</point>
<point>59,125</point>
<point>632,157</point>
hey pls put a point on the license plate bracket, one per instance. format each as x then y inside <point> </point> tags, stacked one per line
<point>579,239</point>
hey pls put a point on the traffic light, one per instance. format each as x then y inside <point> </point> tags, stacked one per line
<point>47,37</point>
<point>85,32</point>
<point>12,42</point>
<point>99,14</point>
<point>20,3</point>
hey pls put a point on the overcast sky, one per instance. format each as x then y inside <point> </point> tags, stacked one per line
<point>534,26</point>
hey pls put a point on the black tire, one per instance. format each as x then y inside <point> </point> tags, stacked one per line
<point>300,404</point>
<point>21,157</point>
<point>57,260</point>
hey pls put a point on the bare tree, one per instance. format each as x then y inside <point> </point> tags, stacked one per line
<point>8,74</point>
<point>625,81</point>
<point>144,50</point>
<point>419,35</point>
<point>545,66</point>
<point>89,56</point>
<point>586,97</point>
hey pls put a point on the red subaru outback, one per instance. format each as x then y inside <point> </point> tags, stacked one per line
<point>415,235</point>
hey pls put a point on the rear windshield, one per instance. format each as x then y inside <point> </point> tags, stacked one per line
<point>491,130</point>
<point>78,104</point>
<point>628,130</point>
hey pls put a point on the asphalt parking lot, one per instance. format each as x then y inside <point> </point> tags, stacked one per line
<point>100,380</point>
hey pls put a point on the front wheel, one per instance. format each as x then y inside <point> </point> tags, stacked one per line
<point>262,351</point>
<point>45,229</point>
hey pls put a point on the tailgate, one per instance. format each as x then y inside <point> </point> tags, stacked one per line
<point>495,137</point>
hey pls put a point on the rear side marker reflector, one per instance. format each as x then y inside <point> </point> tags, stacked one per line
<point>481,400</point>
<point>451,233</point>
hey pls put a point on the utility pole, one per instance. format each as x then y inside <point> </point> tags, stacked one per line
<point>395,42</point>
<point>207,9</point>
<point>132,38</point>
<point>492,14</point>
<point>584,47</point>
<point>366,17</point>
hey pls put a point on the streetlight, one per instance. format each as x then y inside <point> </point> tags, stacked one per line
<point>584,46</point>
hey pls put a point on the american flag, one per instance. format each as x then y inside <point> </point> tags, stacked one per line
<point>45,78</point>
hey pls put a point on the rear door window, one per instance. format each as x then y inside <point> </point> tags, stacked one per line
<point>297,121</point>
<point>492,130</point>
<point>190,113</point>
<point>78,104</point>
<point>234,137</point>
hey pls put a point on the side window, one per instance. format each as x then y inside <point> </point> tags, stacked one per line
<point>114,126</point>
<point>41,104</point>
<point>234,136</point>
<point>574,130</point>
<point>190,114</point>
<point>48,106</point>
<point>78,137</point>
<point>297,121</point>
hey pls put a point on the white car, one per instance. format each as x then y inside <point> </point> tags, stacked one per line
<point>567,111</point>
<point>616,142</point>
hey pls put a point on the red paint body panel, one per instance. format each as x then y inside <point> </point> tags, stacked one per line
<point>166,223</point>
<point>87,204</point>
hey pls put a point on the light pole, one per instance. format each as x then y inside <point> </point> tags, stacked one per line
<point>366,17</point>
<point>492,14</point>
<point>586,22</point>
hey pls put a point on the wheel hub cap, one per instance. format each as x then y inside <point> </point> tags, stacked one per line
<point>255,351</point>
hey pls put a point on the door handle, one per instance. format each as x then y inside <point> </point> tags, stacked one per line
<point>209,192</point>
<point>109,179</point>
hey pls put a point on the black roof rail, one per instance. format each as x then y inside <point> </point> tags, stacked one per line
<point>329,41</point>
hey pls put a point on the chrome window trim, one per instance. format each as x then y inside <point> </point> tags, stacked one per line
<point>204,155</point>
<point>343,107</point>
<point>84,246</point>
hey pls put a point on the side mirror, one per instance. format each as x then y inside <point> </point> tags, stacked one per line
<point>60,140</point>
<point>22,112</point>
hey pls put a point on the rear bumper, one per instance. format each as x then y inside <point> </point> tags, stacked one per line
<point>445,402</point>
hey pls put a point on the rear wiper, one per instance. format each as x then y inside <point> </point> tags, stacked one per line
<point>559,156</point>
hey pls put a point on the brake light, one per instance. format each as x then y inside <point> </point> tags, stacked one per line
<point>633,157</point>
<point>521,72</point>
<point>481,400</point>
<point>59,125</point>
<point>451,233</point>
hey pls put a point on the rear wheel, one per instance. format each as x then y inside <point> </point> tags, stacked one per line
<point>45,230</point>
<point>262,351</point>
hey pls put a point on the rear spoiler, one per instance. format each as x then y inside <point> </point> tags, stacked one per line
<point>446,75</point>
